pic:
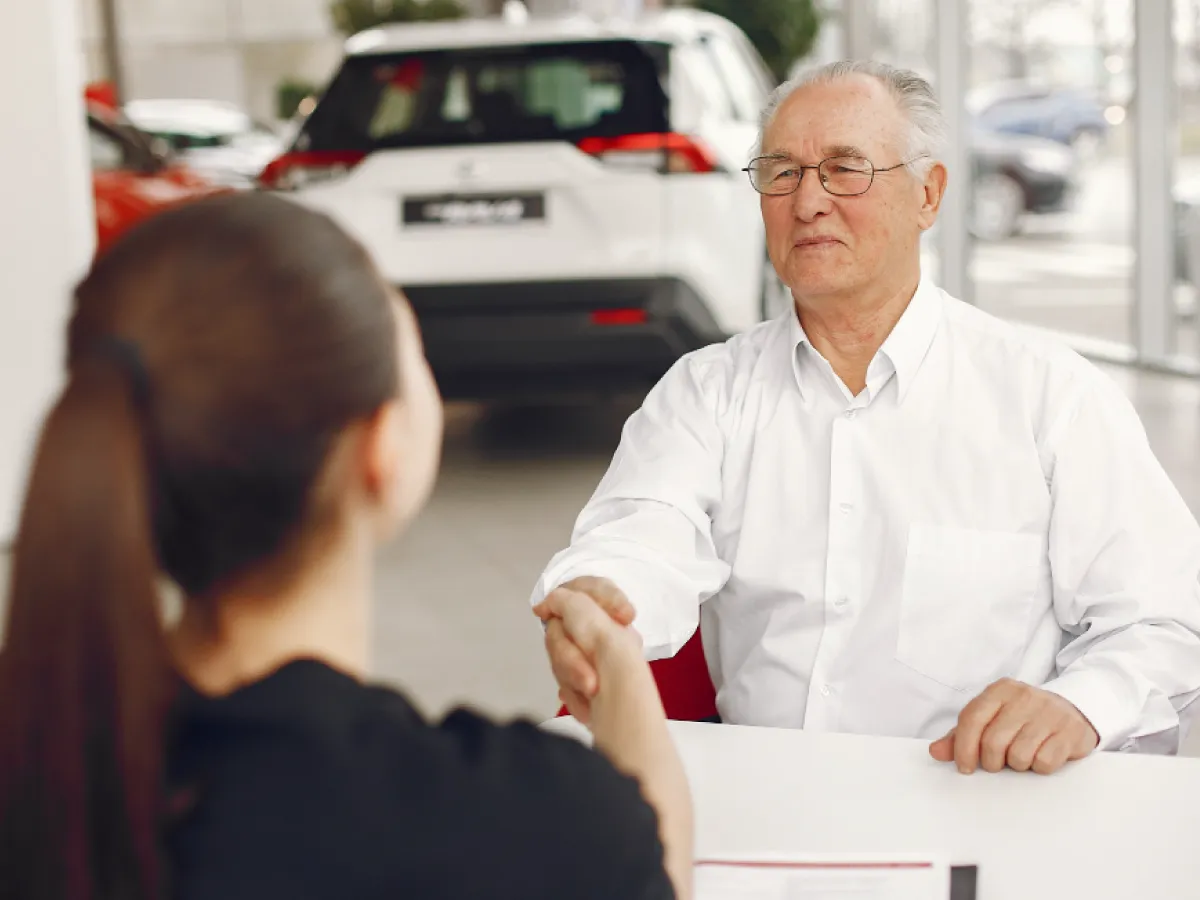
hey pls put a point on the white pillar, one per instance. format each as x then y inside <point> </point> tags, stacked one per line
<point>954,242</point>
<point>47,225</point>
<point>553,7</point>
<point>858,29</point>
<point>1154,143</point>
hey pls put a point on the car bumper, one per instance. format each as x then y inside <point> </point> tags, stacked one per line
<point>1185,221</point>
<point>1045,193</point>
<point>487,340</point>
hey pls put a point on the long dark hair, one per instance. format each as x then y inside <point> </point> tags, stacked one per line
<point>214,355</point>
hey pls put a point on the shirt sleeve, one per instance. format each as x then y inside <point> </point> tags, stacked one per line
<point>648,527</point>
<point>551,818</point>
<point>1125,559</point>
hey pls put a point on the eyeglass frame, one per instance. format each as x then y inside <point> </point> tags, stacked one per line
<point>817,167</point>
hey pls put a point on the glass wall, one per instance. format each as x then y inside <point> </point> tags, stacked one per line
<point>1052,210</point>
<point>1059,167</point>
<point>1186,191</point>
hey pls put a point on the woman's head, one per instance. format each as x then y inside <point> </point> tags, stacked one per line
<point>242,390</point>
<point>268,340</point>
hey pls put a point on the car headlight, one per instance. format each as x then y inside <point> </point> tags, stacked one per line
<point>1048,159</point>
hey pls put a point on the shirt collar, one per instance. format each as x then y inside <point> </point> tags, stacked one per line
<point>909,342</point>
<point>905,348</point>
<point>796,340</point>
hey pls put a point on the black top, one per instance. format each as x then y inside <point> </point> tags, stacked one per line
<point>308,784</point>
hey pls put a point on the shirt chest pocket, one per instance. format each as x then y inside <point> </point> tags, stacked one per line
<point>966,602</point>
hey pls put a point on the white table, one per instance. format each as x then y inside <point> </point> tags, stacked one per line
<point>1113,827</point>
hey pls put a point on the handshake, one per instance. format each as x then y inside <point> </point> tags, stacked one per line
<point>591,646</point>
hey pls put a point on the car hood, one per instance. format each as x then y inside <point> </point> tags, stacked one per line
<point>1041,154</point>
<point>244,161</point>
<point>984,140</point>
<point>1187,191</point>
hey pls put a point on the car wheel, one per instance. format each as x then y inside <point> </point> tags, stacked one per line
<point>996,207</point>
<point>1086,143</point>
<point>776,298</point>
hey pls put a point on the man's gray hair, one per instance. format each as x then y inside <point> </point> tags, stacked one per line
<point>913,94</point>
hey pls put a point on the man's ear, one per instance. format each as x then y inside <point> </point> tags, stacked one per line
<point>934,190</point>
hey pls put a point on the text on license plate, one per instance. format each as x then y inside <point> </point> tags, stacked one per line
<point>479,209</point>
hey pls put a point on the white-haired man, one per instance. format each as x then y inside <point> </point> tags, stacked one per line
<point>890,512</point>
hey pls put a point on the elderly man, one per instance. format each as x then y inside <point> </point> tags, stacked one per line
<point>889,512</point>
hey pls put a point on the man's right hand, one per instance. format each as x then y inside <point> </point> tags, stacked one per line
<point>573,668</point>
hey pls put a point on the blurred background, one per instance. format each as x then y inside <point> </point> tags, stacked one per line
<point>1048,88</point>
<point>1074,207</point>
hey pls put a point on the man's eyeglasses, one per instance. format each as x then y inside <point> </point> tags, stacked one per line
<point>842,176</point>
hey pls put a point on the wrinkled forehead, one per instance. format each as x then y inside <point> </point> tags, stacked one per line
<point>854,116</point>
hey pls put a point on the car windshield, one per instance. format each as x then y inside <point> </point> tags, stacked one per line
<point>191,126</point>
<point>547,92</point>
<point>184,139</point>
<point>137,151</point>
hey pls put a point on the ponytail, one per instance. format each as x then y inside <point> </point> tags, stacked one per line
<point>84,674</point>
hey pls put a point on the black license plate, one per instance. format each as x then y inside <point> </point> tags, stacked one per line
<point>475,209</point>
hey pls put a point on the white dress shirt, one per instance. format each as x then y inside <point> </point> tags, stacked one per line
<point>988,506</point>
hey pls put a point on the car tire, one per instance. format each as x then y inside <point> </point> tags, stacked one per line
<point>775,297</point>
<point>997,203</point>
<point>1087,142</point>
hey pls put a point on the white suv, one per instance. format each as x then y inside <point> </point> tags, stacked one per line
<point>561,199</point>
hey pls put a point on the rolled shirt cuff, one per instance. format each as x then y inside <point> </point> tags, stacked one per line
<point>1106,700</point>
<point>664,627</point>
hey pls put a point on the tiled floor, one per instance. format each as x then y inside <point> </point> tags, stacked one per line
<point>453,623</point>
<point>453,615</point>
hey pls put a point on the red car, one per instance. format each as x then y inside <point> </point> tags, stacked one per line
<point>130,178</point>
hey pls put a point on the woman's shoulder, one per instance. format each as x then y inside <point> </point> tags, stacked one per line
<point>530,777</point>
<point>342,764</point>
<point>550,813</point>
<point>309,708</point>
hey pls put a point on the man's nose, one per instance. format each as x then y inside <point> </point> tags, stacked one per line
<point>810,199</point>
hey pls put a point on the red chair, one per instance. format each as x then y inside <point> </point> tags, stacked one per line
<point>684,684</point>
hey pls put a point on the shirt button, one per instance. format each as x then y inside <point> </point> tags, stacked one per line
<point>846,508</point>
<point>841,601</point>
<point>851,413</point>
<point>825,691</point>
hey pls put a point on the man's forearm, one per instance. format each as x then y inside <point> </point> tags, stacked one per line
<point>1133,683</point>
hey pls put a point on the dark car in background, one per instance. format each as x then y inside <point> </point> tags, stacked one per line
<point>1066,115</point>
<point>1016,175</point>
<point>1186,200</point>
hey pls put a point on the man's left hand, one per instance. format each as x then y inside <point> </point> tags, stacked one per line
<point>1016,725</point>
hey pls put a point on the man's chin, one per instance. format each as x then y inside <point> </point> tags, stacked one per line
<point>819,284</point>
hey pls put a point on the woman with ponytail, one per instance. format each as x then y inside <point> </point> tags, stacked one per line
<point>248,414</point>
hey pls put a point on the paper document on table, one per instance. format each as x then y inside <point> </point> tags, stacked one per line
<point>835,879</point>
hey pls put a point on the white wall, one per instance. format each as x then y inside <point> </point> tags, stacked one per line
<point>239,51</point>
<point>46,221</point>
<point>232,50</point>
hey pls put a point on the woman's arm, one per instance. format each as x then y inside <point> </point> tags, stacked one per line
<point>627,719</point>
